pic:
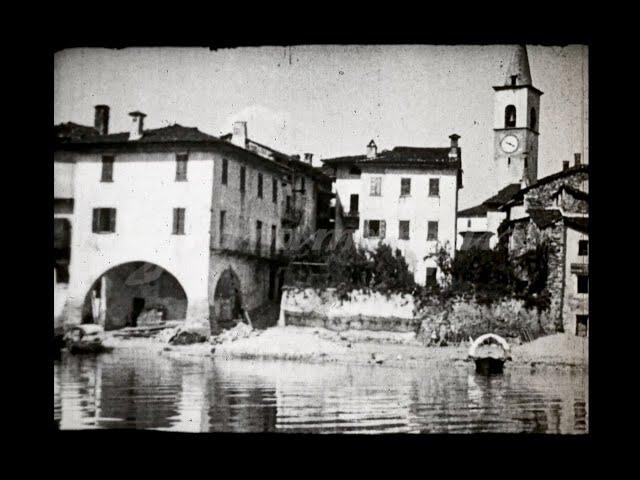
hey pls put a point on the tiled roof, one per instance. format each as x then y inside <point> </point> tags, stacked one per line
<point>578,194</point>
<point>578,223</point>
<point>72,131</point>
<point>170,134</point>
<point>544,218</point>
<point>419,156</point>
<point>550,178</point>
<point>492,203</point>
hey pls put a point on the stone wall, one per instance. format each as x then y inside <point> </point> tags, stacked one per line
<point>542,196</point>
<point>455,319</point>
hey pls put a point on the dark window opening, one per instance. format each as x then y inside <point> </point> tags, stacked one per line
<point>258,236</point>
<point>225,171</point>
<point>513,80</point>
<point>526,162</point>
<point>274,190</point>
<point>405,187</point>
<point>582,325</point>
<point>355,171</point>
<point>533,119</point>
<point>354,203</point>
<point>510,116</point>
<point>223,215</point>
<point>432,231</point>
<point>273,239</point>
<point>104,220</point>
<point>243,178</point>
<point>431,276</point>
<point>583,284</point>
<point>469,223</point>
<point>107,168</point>
<point>508,160</point>
<point>374,228</point>
<point>178,221</point>
<point>302,185</point>
<point>181,168</point>
<point>434,187</point>
<point>259,185</point>
<point>403,228</point>
<point>583,247</point>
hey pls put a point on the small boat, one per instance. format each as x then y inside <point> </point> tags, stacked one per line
<point>86,339</point>
<point>489,352</point>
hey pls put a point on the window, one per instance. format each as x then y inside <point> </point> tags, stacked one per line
<point>259,185</point>
<point>287,238</point>
<point>405,187</point>
<point>355,171</point>
<point>533,119</point>
<point>258,235</point>
<point>513,80</point>
<point>376,186</point>
<point>434,187</point>
<point>243,178</point>
<point>178,221</point>
<point>273,239</point>
<point>583,284</point>
<point>274,189</point>
<point>107,168</point>
<point>104,220</point>
<point>374,228</point>
<point>526,162</point>
<point>225,171</point>
<point>469,223</point>
<point>223,217</point>
<point>353,203</point>
<point>302,185</point>
<point>431,276</point>
<point>582,325</point>
<point>583,247</point>
<point>403,230</point>
<point>181,167</point>
<point>287,204</point>
<point>510,116</point>
<point>432,231</point>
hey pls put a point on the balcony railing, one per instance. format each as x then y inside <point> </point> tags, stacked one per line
<point>239,245</point>
<point>350,219</point>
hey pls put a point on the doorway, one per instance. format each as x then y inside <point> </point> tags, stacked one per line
<point>136,309</point>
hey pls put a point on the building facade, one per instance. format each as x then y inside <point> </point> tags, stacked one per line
<point>555,211</point>
<point>406,197</point>
<point>177,222</point>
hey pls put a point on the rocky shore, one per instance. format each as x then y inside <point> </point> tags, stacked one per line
<point>320,345</point>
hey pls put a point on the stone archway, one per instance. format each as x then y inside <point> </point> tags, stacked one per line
<point>133,292</point>
<point>227,301</point>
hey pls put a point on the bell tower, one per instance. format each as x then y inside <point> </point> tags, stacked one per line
<point>516,122</point>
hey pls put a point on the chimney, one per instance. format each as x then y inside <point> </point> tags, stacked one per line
<point>453,152</point>
<point>565,165</point>
<point>101,119</point>
<point>578,158</point>
<point>239,135</point>
<point>296,157</point>
<point>372,149</point>
<point>308,158</point>
<point>137,125</point>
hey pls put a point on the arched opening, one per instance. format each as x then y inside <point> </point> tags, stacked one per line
<point>227,307</point>
<point>134,294</point>
<point>510,116</point>
<point>533,119</point>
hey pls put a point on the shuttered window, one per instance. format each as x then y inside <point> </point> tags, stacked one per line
<point>107,168</point>
<point>376,187</point>
<point>181,167</point>
<point>104,220</point>
<point>403,230</point>
<point>259,185</point>
<point>274,189</point>
<point>434,187</point>
<point>374,229</point>
<point>225,171</point>
<point>405,187</point>
<point>178,221</point>
<point>243,178</point>
<point>432,231</point>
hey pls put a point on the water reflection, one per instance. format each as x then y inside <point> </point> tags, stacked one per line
<point>128,389</point>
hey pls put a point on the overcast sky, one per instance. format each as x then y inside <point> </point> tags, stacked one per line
<point>332,100</point>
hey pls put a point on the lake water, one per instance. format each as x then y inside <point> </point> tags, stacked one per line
<point>132,389</point>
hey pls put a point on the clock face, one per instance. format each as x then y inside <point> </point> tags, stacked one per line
<point>509,144</point>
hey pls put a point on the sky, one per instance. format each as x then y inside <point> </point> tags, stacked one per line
<point>332,100</point>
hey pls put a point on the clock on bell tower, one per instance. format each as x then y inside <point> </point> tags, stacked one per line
<point>516,122</point>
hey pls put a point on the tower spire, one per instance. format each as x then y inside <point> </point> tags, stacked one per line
<point>518,73</point>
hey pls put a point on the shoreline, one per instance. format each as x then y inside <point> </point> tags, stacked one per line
<point>315,345</point>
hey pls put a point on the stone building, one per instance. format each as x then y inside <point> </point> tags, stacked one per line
<point>515,146</point>
<point>555,210</point>
<point>178,222</point>
<point>406,197</point>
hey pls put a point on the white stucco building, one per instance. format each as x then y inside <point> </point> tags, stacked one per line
<point>175,220</point>
<point>406,197</point>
